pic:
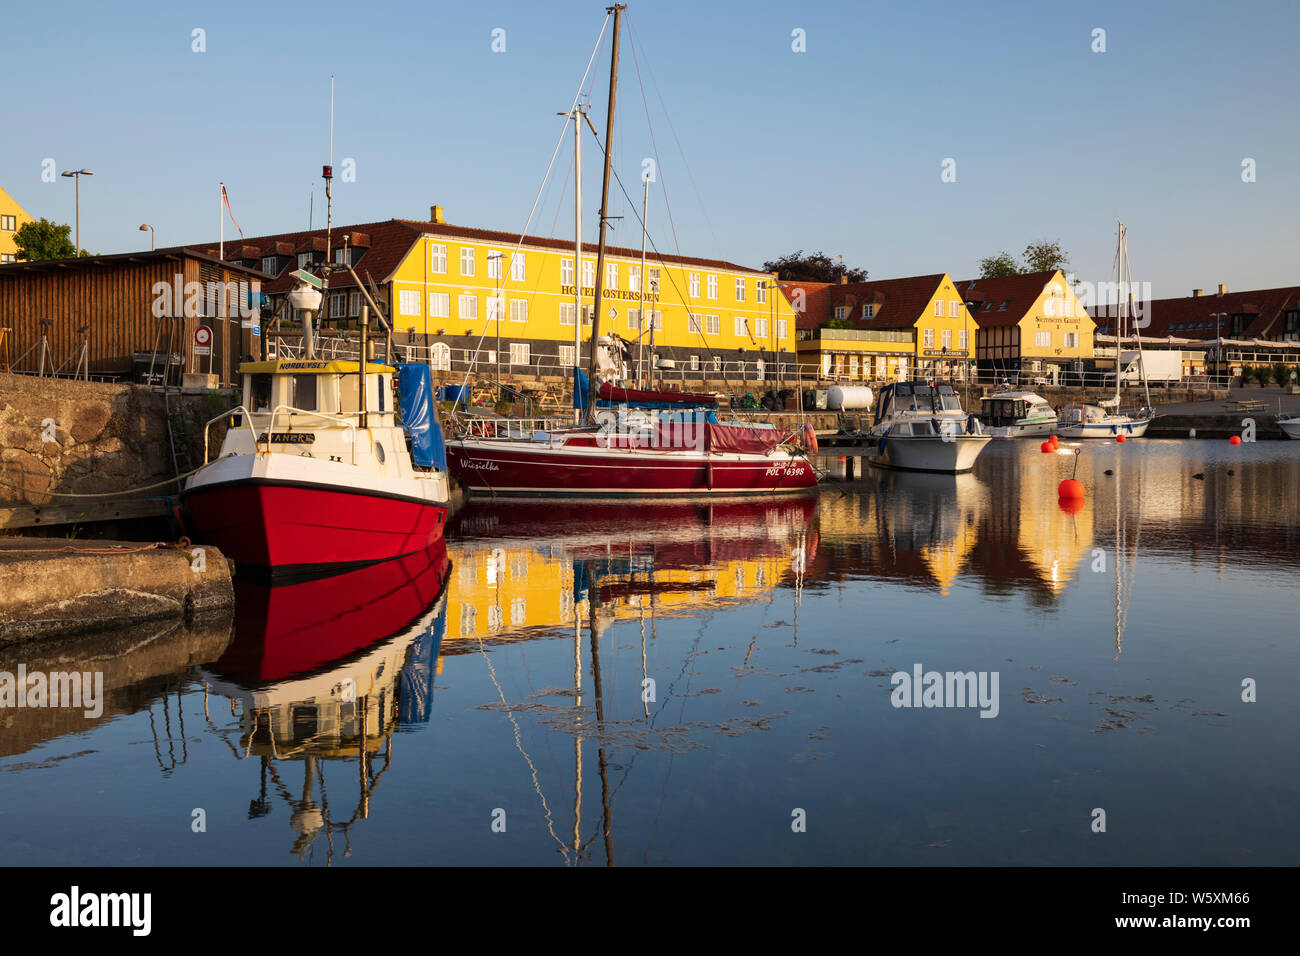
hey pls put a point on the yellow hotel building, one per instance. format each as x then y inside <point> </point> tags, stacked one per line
<point>12,217</point>
<point>456,289</point>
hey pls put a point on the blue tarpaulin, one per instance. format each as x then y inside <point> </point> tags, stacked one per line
<point>580,388</point>
<point>416,698</point>
<point>415,382</point>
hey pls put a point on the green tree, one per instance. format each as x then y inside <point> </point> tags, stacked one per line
<point>43,239</point>
<point>1044,256</point>
<point>816,267</point>
<point>1002,264</point>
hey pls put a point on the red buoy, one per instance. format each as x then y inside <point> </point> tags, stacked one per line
<point>1070,488</point>
<point>1045,447</point>
<point>1056,442</point>
<point>1234,440</point>
<point>1070,506</point>
<point>1120,438</point>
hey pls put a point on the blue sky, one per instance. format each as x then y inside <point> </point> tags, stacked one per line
<point>838,148</point>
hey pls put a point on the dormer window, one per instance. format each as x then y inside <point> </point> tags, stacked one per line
<point>1003,306</point>
<point>841,312</point>
<point>869,311</point>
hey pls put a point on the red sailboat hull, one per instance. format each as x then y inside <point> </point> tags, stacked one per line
<point>294,527</point>
<point>517,468</point>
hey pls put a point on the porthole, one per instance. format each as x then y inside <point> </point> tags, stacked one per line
<point>379,452</point>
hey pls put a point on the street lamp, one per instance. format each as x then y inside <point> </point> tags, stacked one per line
<point>496,307</point>
<point>1218,344</point>
<point>76,174</point>
<point>151,235</point>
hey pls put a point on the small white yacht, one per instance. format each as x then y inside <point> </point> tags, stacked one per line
<point>921,427</point>
<point>1291,426</point>
<point>1010,414</point>
<point>1102,420</point>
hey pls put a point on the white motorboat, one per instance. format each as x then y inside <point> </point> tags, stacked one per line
<point>922,427</point>
<point>1290,425</point>
<point>1010,414</point>
<point>1102,420</point>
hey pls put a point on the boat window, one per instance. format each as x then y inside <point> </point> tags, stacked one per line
<point>259,398</point>
<point>304,392</point>
<point>949,403</point>
<point>379,452</point>
<point>381,396</point>
<point>348,394</point>
<point>922,428</point>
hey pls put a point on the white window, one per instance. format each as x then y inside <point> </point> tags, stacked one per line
<point>1043,340</point>
<point>695,363</point>
<point>869,311</point>
<point>519,353</point>
<point>741,328</point>
<point>1071,340</point>
<point>304,260</point>
<point>694,324</point>
<point>338,256</point>
<point>588,312</point>
<point>494,264</point>
<point>408,303</point>
<point>963,339</point>
<point>713,287</point>
<point>9,223</point>
<point>517,266</point>
<point>467,260</point>
<point>354,303</point>
<point>467,306</point>
<point>712,325</point>
<point>337,301</point>
<point>611,275</point>
<point>653,287</point>
<point>439,305</point>
<point>717,363</point>
<point>656,319</point>
<point>441,356</point>
<point>695,285</point>
<point>566,313</point>
<point>496,306</point>
<point>953,309</point>
<point>927,338</point>
<point>947,338</point>
<point>841,312</point>
<point>566,354</point>
<point>761,294</point>
<point>781,329</point>
<point>633,319</point>
<point>760,327</point>
<point>437,259</point>
<point>938,307</point>
<point>518,310</point>
<point>740,290</point>
<point>269,266</point>
<point>634,278</point>
<point>588,274</point>
<point>566,272</point>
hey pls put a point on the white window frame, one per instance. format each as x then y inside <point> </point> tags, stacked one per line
<point>518,310</point>
<point>712,325</point>
<point>566,356</point>
<point>611,275</point>
<point>588,273</point>
<point>760,327</point>
<point>440,305</point>
<point>713,287</point>
<point>633,278</point>
<point>521,353</point>
<point>269,265</point>
<point>782,329</point>
<point>633,320</point>
<point>1071,340</point>
<point>963,340</point>
<point>304,260</point>
<point>841,312</point>
<point>467,260</point>
<point>496,307</point>
<point>566,314</point>
<point>938,308</point>
<point>760,291</point>
<point>946,338</point>
<point>408,302</point>
<point>495,259</point>
<point>354,303</point>
<point>694,323</point>
<point>741,327</point>
<point>518,267</point>
<point>566,272</point>
<point>927,338</point>
<point>466,299</point>
<point>437,259</point>
<point>740,288</point>
<point>954,309</point>
<point>652,286</point>
<point>695,285</point>
<point>869,310</point>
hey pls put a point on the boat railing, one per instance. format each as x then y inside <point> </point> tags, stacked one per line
<point>511,427</point>
<point>243,422</point>
<point>246,421</point>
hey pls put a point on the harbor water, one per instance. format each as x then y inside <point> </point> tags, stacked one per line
<point>726,683</point>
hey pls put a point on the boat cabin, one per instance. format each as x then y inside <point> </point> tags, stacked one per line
<point>1010,409</point>
<point>328,387</point>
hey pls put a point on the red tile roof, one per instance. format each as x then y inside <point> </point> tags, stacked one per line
<point>1261,313</point>
<point>1018,293</point>
<point>899,302</point>
<point>815,299</point>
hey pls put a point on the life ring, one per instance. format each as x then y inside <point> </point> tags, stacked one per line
<point>810,438</point>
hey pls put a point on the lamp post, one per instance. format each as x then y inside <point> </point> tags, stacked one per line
<point>1218,344</point>
<point>76,175</point>
<point>152,236</point>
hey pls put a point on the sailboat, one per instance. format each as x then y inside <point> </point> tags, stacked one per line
<point>1104,418</point>
<point>674,451</point>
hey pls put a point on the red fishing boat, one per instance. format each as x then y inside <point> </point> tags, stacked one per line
<point>315,475</point>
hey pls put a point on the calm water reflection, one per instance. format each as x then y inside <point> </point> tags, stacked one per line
<point>411,712</point>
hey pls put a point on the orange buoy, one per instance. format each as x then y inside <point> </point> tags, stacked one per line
<point>1070,506</point>
<point>1045,447</point>
<point>1054,441</point>
<point>1234,440</point>
<point>1120,438</point>
<point>1070,488</point>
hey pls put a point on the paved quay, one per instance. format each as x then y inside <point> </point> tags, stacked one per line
<point>57,586</point>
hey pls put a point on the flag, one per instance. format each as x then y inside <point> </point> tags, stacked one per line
<point>226,199</point>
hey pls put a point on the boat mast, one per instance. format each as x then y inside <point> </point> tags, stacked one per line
<point>1123,305</point>
<point>1128,292</point>
<point>617,10</point>
<point>577,251</point>
<point>640,340</point>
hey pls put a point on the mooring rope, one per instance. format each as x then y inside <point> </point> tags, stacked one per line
<point>101,494</point>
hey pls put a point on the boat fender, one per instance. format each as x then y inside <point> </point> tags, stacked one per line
<point>810,437</point>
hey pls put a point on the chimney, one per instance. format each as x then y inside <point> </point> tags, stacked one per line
<point>435,215</point>
<point>1196,293</point>
<point>1222,288</point>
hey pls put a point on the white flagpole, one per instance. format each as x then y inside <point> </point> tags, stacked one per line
<point>221,218</point>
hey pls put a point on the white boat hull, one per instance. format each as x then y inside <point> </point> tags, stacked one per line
<point>1023,429</point>
<point>1105,429</point>
<point>1291,426</point>
<point>951,455</point>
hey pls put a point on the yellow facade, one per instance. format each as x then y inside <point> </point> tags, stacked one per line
<point>12,218</point>
<point>445,285</point>
<point>1056,314</point>
<point>946,337</point>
